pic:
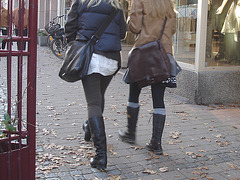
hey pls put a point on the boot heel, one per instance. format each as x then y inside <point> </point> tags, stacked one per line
<point>86,129</point>
<point>99,162</point>
<point>155,147</point>
<point>127,137</point>
<point>158,152</point>
<point>99,167</point>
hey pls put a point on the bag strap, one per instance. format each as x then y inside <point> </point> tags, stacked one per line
<point>105,24</point>
<point>164,24</point>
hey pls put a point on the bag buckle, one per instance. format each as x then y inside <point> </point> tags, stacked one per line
<point>94,38</point>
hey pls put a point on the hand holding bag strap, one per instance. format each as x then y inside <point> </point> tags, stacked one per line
<point>105,24</point>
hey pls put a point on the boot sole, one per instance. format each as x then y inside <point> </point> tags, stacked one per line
<point>130,141</point>
<point>157,152</point>
<point>100,167</point>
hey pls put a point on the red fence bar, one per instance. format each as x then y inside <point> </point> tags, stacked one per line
<point>17,148</point>
<point>31,96</point>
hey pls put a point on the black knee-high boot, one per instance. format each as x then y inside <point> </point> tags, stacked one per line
<point>129,135</point>
<point>87,132</point>
<point>158,126</point>
<point>86,128</point>
<point>99,138</point>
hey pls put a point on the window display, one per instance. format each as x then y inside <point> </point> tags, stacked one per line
<point>185,37</point>
<point>223,42</point>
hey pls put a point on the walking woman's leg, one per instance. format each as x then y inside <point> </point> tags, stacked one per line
<point>93,93</point>
<point>105,80</point>
<point>129,135</point>
<point>91,85</point>
<point>159,116</point>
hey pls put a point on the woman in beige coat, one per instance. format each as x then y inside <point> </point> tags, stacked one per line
<point>146,21</point>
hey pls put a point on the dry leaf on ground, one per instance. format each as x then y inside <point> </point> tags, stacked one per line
<point>148,171</point>
<point>114,178</point>
<point>137,147</point>
<point>163,169</point>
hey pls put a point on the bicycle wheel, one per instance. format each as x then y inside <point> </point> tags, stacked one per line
<point>49,41</point>
<point>57,48</point>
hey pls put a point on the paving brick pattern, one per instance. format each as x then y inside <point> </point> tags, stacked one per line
<point>199,142</point>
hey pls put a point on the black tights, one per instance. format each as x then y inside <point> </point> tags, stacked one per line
<point>157,94</point>
<point>25,33</point>
<point>95,86</point>
<point>4,32</point>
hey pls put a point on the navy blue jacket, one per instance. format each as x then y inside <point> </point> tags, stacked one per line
<point>82,22</point>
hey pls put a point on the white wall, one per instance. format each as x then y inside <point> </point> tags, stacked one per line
<point>46,11</point>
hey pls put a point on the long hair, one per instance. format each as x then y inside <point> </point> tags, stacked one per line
<point>161,8</point>
<point>114,3</point>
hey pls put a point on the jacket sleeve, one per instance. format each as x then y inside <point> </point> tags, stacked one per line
<point>122,26</point>
<point>71,25</point>
<point>136,16</point>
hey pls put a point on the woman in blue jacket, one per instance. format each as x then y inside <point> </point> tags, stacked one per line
<point>83,20</point>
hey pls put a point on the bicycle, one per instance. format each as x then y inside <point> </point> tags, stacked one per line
<point>56,38</point>
<point>52,27</point>
<point>59,46</point>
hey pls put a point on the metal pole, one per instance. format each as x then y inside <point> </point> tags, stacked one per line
<point>31,89</point>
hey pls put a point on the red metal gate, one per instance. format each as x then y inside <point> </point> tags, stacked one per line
<point>18,78</point>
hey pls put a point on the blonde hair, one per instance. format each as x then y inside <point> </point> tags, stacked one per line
<point>114,3</point>
<point>161,8</point>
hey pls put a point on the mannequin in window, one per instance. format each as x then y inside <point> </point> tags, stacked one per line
<point>231,29</point>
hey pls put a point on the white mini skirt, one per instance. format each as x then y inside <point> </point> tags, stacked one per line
<point>102,65</point>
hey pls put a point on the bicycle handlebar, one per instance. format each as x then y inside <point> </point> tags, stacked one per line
<point>57,17</point>
<point>61,16</point>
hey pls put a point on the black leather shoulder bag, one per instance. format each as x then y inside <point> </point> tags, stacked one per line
<point>79,54</point>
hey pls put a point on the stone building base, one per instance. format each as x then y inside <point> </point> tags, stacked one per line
<point>209,87</point>
<point>205,87</point>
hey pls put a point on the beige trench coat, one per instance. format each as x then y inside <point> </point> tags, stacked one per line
<point>148,28</point>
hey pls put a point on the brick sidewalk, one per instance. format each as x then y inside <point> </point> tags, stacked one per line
<point>200,142</point>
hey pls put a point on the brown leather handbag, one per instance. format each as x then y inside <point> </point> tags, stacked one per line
<point>149,63</point>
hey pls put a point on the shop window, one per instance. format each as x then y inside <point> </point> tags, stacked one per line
<point>185,38</point>
<point>223,33</point>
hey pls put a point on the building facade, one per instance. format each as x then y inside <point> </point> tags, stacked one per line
<point>49,9</point>
<point>206,46</point>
